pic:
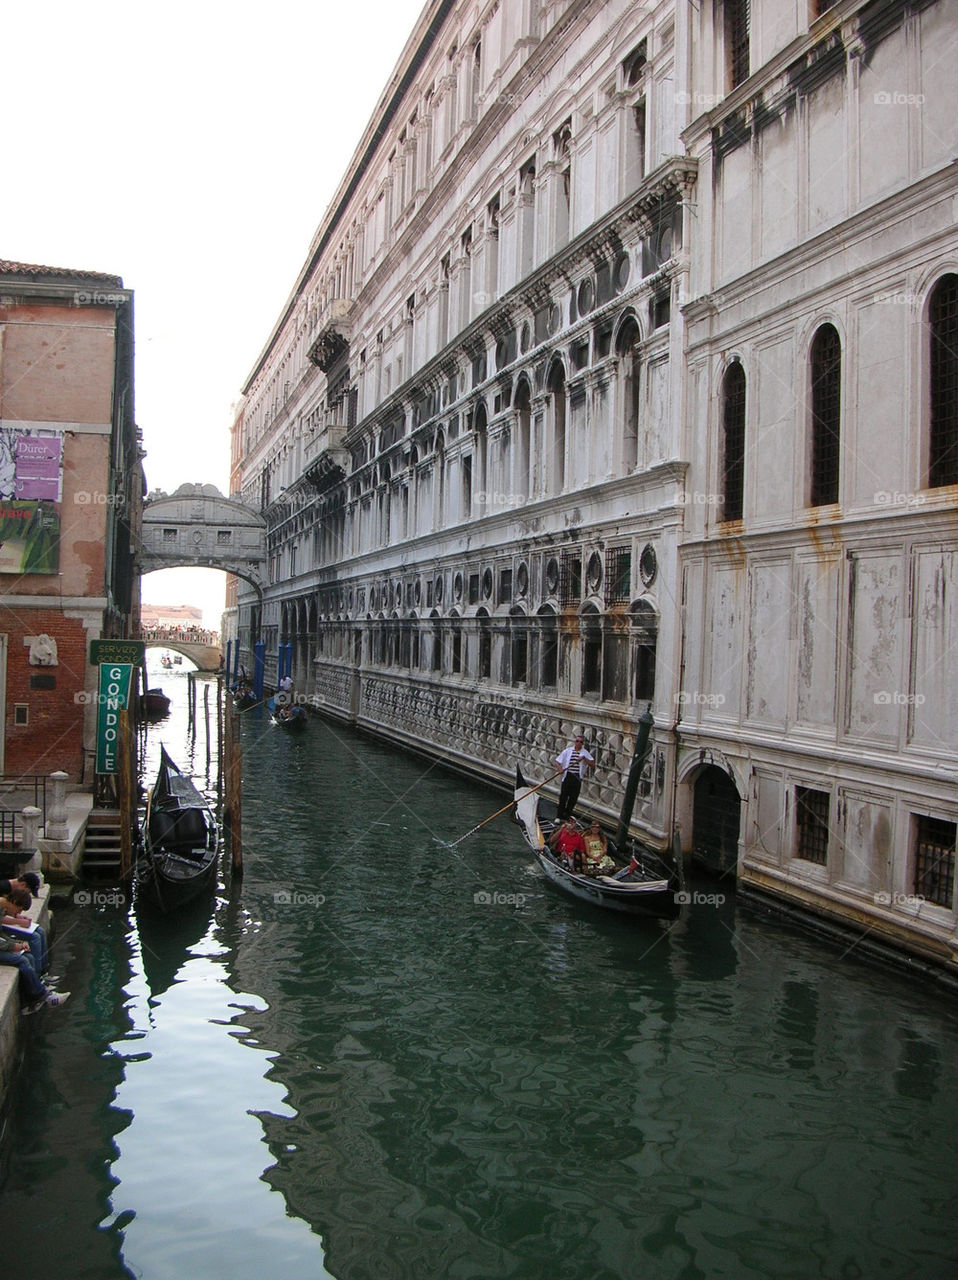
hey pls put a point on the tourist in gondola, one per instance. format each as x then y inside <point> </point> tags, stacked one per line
<point>567,841</point>
<point>597,858</point>
<point>573,761</point>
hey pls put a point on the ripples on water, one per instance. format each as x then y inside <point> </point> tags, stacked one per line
<point>457,1088</point>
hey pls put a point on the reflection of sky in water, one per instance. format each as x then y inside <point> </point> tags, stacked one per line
<point>190,1164</point>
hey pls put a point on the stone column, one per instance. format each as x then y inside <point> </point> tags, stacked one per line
<point>56,826</point>
<point>29,841</point>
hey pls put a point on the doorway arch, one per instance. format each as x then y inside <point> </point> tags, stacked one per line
<point>716,820</point>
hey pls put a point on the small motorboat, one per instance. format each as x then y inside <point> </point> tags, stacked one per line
<point>177,857</point>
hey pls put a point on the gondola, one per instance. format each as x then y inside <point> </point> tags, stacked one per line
<point>177,857</point>
<point>640,882</point>
<point>154,704</point>
<point>291,718</point>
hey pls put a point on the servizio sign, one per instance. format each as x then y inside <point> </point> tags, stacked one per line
<point>115,679</point>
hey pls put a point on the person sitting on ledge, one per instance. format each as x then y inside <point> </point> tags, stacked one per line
<point>14,906</point>
<point>36,994</point>
<point>566,840</point>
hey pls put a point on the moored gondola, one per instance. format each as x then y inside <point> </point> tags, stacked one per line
<point>177,858</point>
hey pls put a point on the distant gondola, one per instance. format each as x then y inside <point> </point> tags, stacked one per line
<point>154,704</point>
<point>291,718</point>
<point>177,860</point>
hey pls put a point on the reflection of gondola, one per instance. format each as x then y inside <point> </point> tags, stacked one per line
<point>165,941</point>
<point>178,858</point>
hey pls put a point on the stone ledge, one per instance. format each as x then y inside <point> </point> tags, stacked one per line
<point>11,1020</point>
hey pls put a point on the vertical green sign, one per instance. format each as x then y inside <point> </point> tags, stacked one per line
<point>114,696</point>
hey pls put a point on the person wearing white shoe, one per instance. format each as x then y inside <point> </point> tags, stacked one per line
<point>37,994</point>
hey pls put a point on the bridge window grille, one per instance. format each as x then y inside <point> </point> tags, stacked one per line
<point>935,860</point>
<point>812,824</point>
<point>943,322</point>
<point>224,537</point>
<point>169,535</point>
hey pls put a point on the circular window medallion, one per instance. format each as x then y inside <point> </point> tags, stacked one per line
<point>586,297</point>
<point>622,271</point>
<point>648,564</point>
<point>525,337</point>
<point>555,318</point>
<point>457,586</point>
<point>487,583</point>
<point>552,576</point>
<point>522,578</point>
<point>437,590</point>
<point>593,573</point>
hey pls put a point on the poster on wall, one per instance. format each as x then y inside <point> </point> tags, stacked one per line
<point>31,488</point>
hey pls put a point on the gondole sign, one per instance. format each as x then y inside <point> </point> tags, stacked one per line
<point>114,697</point>
<point>31,483</point>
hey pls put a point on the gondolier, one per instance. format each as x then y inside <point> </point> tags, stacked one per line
<point>573,761</point>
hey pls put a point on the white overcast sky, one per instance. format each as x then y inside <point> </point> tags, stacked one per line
<point>191,148</point>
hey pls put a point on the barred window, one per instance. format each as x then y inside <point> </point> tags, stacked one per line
<point>943,441</point>
<point>737,22</point>
<point>935,860</point>
<point>826,371</point>
<point>590,632</point>
<point>645,634</point>
<point>812,824</point>
<point>485,645</point>
<point>570,578</point>
<point>618,575</point>
<point>733,457</point>
<point>548,648</point>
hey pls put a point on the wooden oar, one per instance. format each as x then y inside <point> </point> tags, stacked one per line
<point>502,810</point>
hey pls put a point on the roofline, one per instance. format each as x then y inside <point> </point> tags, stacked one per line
<point>416,49</point>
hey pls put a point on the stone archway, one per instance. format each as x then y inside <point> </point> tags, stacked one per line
<point>716,820</point>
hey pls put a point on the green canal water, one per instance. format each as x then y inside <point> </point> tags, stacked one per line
<point>381,1059</point>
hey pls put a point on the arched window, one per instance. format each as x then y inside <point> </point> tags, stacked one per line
<point>627,349</point>
<point>590,635</point>
<point>645,632</point>
<point>825,359</point>
<point>733,441</point>
<point>548,647</point>
<point>523,405</point>
<point>485,645</point>
<point>518,646</point>
<point>943,360</point>
<point>555,462</point>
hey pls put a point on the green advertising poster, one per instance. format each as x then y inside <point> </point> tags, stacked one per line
<point>114,697</point>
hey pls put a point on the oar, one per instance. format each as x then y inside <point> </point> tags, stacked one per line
<point>502,810</point>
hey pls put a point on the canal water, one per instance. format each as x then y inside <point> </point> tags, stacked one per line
<point>378,1058</point>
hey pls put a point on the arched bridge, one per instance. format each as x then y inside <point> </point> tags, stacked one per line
<point>205,656</point>
<point>197,527</point>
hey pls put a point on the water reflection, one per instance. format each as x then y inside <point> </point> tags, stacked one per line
<point>359,1062</point>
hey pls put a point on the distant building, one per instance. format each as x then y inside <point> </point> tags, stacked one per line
<point>71,490</point>
<point>170,616</point>
<point>622,369</point>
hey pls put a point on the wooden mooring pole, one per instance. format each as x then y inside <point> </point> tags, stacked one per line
<point>232,769</point>
<point>126,782</point>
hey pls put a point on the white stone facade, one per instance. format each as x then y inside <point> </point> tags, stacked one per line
<point>606,382</point>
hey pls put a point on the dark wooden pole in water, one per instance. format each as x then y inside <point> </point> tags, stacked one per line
<point>206,723</point>
<point>125,775</point>
<point>220,694</point>
<point>642,748</point>
<point>233,772</point>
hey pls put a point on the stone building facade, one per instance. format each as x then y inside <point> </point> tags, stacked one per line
<point>71,478</point>
<point>610,379</point>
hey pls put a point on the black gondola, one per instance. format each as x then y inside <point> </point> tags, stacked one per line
<point>639,881</point>
<point>177,859</point>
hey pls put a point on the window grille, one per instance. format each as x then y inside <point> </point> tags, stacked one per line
<point>733,421</point>
<point>935,860</point>
<point>826,362</point>
<point>548,672</point>
<point>943,322</point>
<point>618,575</point>
<point>570,578</point>
<point>812,820</point>
<point>505,586</point>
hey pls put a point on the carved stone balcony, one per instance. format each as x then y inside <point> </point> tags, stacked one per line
<point>330,459</point>
<point>332,338</point>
